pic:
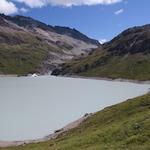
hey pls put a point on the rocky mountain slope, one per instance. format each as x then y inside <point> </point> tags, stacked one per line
<point>122,126</point>
<point>28,45</point>
<point>125,56</point>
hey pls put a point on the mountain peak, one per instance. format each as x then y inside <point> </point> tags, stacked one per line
<point>31,23</point>
<point>132,40</point>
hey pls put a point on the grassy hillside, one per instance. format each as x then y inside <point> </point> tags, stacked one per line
<point>28,45</point>
<point>126,56</point>
<point>125,126</point>
<point>136,67</point>
<point>23,53</point>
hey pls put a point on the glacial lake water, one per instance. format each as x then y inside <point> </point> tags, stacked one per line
<point>32,108</point>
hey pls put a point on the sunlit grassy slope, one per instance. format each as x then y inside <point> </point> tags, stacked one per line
<point>125,126</point>
<point>23,54</point>
<point>136,67</point>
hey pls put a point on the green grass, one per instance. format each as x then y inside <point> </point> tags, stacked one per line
<point>101,64</point>
<point>23,54</point>
<point>125,126</point>
<point>136,67</point>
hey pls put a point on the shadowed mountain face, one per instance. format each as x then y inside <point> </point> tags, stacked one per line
<point>132,41</point>
<point>28,46</point>
<point>126,56</point>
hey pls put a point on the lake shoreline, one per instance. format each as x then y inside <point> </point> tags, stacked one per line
<point>8,75</point>
<point>83,77</point>
<point>108,79</point>
<point>68,127</point>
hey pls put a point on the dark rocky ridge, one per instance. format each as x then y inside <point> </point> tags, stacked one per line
<point>30,23</point>
<point>133,40</point>
<point>75,34</point>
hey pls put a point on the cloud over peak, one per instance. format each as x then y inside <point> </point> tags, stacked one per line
<point>102,41</point>
<point>7,7</point>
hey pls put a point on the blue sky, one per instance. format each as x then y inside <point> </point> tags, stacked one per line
<point>97,19</point>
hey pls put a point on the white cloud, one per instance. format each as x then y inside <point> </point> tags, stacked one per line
<point>23,10</point>
<point>102,41</point>
<point>33,3</point>
<point>66,3</point>
<point>7,7</point>
<point>118,12</point>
